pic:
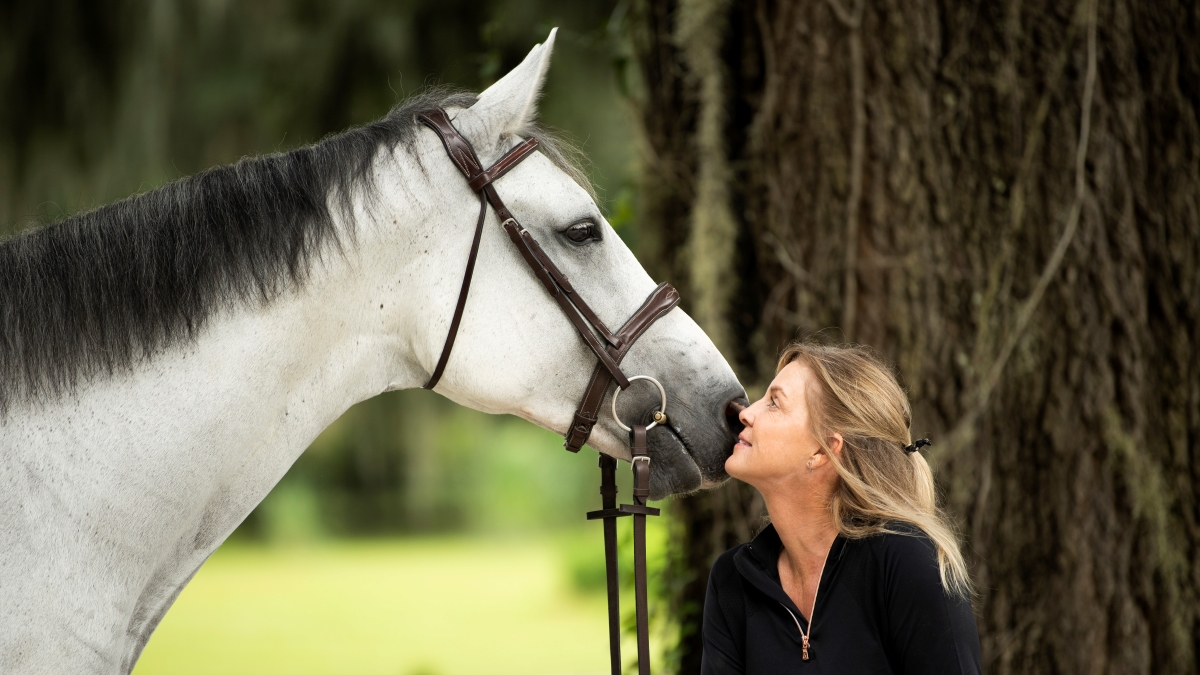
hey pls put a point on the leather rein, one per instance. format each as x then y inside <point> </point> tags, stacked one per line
<point>610,349</point>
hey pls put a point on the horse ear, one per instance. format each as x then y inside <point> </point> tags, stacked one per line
<point>509,104</point>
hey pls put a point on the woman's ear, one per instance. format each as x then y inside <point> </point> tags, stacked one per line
<point>820,457</point>
<point>834,442</point>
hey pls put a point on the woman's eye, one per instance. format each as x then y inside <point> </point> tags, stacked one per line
<point>581,232</point>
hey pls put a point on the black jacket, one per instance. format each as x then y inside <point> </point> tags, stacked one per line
<point>881,608</point>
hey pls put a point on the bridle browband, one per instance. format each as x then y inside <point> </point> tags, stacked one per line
<point>610,349</point>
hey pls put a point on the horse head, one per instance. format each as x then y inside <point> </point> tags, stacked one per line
<point>515,351</point>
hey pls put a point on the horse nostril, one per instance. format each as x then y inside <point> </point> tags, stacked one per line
<point>733,409</point>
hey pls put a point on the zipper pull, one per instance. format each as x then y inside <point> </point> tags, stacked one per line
<point>804,648</point>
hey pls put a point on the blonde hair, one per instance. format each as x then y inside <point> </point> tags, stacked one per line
<point>858,397</point>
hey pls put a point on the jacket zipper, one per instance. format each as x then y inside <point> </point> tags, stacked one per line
<point>811,613</point>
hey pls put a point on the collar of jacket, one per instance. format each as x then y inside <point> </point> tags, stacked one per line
<point>758,563</point>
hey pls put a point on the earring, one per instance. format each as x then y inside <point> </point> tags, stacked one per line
<point>810,466</point>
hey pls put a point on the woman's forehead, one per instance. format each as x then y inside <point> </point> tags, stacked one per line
<point>792,381</point>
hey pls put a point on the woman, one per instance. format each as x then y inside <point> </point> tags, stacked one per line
<point>859,572</point>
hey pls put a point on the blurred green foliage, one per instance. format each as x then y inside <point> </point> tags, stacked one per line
<point>103,98</point>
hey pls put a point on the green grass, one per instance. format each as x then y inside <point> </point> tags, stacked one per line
<point>436,606</point>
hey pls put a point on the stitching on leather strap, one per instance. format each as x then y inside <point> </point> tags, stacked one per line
<point>662,300</point>
<point>509,160</point>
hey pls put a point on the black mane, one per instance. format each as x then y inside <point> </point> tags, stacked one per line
<point>97,292</point>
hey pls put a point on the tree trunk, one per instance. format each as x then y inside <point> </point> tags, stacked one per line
<point>1004,200</point>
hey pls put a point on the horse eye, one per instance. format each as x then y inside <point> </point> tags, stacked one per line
<point>581,232</point>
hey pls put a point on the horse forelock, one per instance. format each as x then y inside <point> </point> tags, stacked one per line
<point>96,293</point>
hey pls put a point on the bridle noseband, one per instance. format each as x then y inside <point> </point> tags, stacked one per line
<point>610,348</point>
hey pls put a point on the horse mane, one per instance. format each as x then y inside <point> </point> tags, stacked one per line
<point>98,292</point>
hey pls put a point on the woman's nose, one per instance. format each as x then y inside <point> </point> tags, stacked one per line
<point>745,417</point>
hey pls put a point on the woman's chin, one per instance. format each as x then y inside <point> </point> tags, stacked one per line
<point>747,466</point>
<point>735,465</point>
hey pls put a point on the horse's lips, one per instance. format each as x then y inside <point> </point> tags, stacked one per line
<point>708,480</point>
<point>673,469</point>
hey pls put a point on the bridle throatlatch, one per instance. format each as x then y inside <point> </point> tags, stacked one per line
<point>610,349</point>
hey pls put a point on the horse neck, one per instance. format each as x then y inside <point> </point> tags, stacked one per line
<point>154,468</point>
<point>261,382</point>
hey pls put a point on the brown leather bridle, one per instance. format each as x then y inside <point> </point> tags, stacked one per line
<point>610,348</point>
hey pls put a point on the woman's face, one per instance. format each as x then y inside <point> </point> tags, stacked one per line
<point>777,442</point>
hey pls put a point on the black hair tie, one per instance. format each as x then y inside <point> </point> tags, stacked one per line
<point>917,445</point>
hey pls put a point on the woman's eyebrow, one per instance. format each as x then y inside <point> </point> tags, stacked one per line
<point>777,391</point>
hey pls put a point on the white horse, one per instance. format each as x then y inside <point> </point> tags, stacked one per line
<point>165,359</point>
